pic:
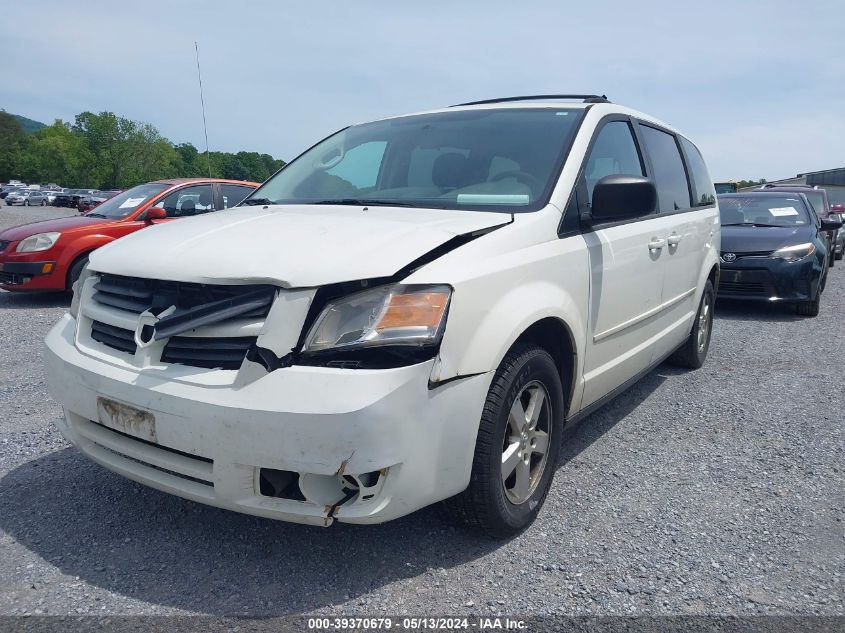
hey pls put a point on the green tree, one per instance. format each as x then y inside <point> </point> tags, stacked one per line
<point>56,154</point>
<point>13,141</point>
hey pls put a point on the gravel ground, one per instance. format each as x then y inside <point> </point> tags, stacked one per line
<point>711,492</point>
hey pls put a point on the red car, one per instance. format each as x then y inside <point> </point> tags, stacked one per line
<point>50,255</point>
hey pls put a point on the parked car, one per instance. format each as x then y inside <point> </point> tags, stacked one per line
<point>774,249</point>
<point>819,201</point>
<point>50,255</point>
<point>837,212</point>
<point>7,189</point>
<point>28,198</point>
<point>51,195</point>
<point>86,203</point>
<point>409,312</point>
<point>70,197</point>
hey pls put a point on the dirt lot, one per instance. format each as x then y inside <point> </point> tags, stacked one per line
<point>720,491</point>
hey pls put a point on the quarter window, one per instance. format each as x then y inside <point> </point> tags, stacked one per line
<point>670,178</point>
<point>705,194</point>
<point>613,153</point>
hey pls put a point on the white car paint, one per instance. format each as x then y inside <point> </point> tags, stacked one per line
<point>280,244</point>
<point>625,307</point>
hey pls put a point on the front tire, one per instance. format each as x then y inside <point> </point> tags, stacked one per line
<point>694,351</point>
<point>26,203</point>
<point>809,308</point>
<point>75,271</point>
<point>518,443</point>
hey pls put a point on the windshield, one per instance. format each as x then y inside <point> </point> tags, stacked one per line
<point>125,203</point>
<point>763,211</point>
<point>490,159</point>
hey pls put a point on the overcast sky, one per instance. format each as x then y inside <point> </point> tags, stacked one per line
<point>759,86</point>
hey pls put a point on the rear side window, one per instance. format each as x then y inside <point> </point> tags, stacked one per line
<point>233,194</point>
<point>669,174</point>
<point>613,153</point>
<point>705,194</point>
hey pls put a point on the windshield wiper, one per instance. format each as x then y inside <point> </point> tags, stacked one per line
<point>362,202</point>
<point>95,215</point>
<point>776,226</point>
<point>257,201</point>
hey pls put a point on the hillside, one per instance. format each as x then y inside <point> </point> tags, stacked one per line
<point>28,125</point>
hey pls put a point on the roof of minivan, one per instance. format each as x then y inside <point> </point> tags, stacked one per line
<point>601,109</point>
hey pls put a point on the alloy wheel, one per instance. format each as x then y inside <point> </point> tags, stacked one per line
<point>704,318</point>
<point>526,442</point>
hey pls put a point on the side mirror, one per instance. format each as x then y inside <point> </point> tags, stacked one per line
<point>622,197</point>
<point>154,213</point>
<point>831,225</point>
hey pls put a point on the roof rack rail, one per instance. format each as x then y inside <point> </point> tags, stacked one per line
<point>583,98</point>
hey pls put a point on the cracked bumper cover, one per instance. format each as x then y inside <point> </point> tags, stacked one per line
<point>301,419</point>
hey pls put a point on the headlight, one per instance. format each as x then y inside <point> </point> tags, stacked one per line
<point>77,291</point>
<point>38,242</point>
<point>794,253</point>
<point>389,315</point>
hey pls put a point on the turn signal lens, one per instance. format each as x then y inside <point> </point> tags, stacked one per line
<point>421,309</point>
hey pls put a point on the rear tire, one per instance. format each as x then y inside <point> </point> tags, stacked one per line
<point>694,351</point>
<point>839,254</point>
<point>518,443</point>
<point>75,271</point>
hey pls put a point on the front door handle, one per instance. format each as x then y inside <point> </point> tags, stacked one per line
<point>674,239</point>
<point>656,244</point>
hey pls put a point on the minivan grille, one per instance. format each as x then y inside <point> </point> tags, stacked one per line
<point>209,352</point>
<point>137,295</point>
<point>114,337</point>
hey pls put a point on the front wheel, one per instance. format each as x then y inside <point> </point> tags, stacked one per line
<point>517,447</point>
<point>26,203</point>
<point>693,352</point>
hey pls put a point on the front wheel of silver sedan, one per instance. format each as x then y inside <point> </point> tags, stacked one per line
<point>517,446</point>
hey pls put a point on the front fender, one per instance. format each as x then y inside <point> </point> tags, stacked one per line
<point>81,246</point>
<point>480,334</point>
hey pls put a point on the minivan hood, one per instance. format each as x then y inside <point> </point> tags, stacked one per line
<point>288,245</point>
<point>48,226</point>
<point>747,239</point>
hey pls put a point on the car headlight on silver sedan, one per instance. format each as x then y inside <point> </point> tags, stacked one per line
<point>795,252</point>
<point>38,242</point>
<point>388,315</point>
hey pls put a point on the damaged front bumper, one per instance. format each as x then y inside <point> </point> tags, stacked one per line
<point>302,444</point>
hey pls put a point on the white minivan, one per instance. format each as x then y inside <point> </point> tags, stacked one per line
<point>409,312</point>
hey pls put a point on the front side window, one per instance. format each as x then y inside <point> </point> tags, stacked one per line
<point>188,201</point>
<point>486,159</point>
<point>125,203</point>
<point>670,178</point>
<point>705,195</point>
<point>614,152</point>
